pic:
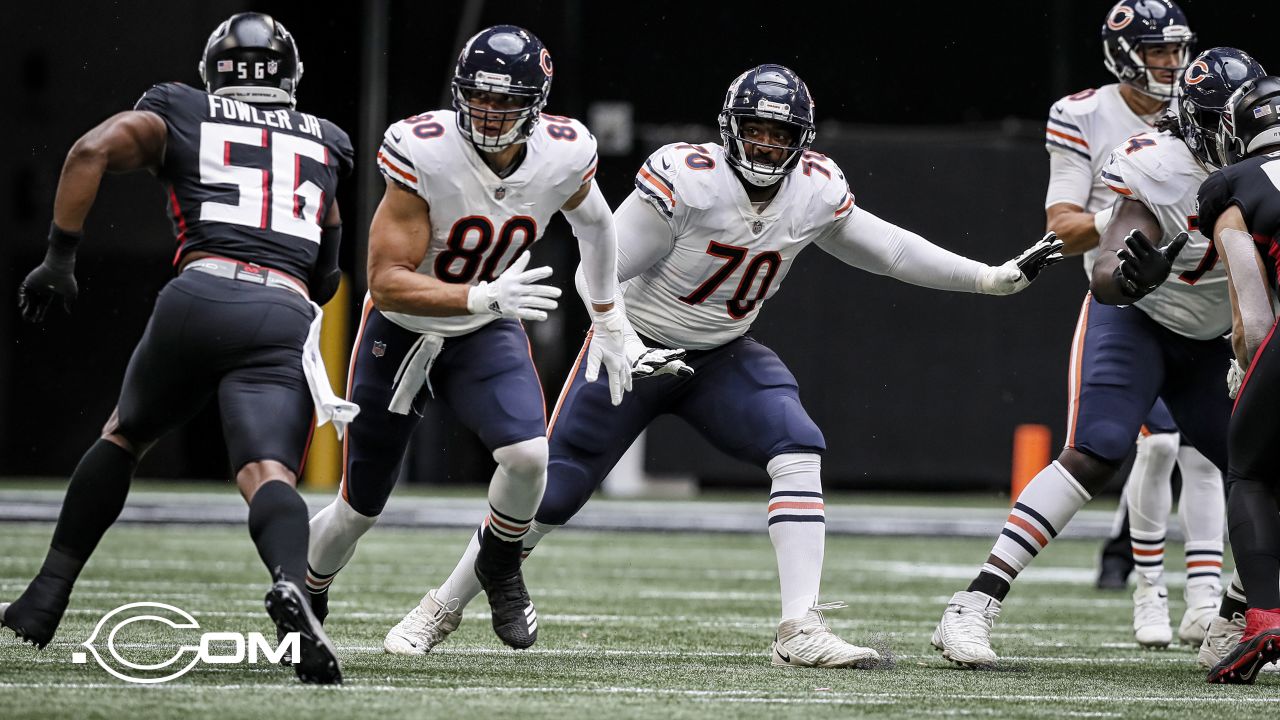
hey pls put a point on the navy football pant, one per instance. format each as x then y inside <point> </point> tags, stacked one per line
<point>486,376</point>
<point>1122,361</point>
<point>741,397</point>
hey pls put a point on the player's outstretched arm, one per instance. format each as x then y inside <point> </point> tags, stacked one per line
<point>126,141</point>
<point>867,242</point>
<point>399,237</point>
<point>1251,300</point>
<point>1130,265</point>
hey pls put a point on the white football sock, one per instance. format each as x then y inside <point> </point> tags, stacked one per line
<point>462,584</point>
<point>516,488</point>
<point>797,528</point>
<point>1045,506</point>
<point>1150,499</point>
<point>1202,509</point>
<point>335,530</point>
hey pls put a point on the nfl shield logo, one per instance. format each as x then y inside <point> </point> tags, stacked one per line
<point>757,226</point>
<point>379,348</point>
<point>499,193</point>
<point>272,66</point>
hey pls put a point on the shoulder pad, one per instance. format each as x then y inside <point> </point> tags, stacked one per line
<point>828,182</point>
<point>341,144</point>
<point>572,138</point>
<point>1147,165</point>
<point>1213,199</point>
<point>396,157</point>
<point>160,97</point>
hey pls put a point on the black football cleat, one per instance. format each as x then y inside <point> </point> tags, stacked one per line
<point>1241,665</point>
<point>35,615</point>
<point>498,569</point>
<point>291,611</point>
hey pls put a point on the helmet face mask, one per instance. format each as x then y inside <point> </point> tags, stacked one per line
<point>251,57</point>
<point>775,97</point>
<point>1136,29</point>
<point>500,85</point>
<point>1203,92</point>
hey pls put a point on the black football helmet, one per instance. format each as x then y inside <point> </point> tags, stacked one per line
<point>1129,26</point>
<point>504,60</point>
<point>251,57</point>
<point>1251,120</point>
<point>1203,91</point>
<point>766,92</point>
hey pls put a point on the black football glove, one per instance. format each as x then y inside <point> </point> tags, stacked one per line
<point>1040,256</point>
<point>1143,266</point>
<point>54,279</point>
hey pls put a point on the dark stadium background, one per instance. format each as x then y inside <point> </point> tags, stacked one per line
<point>933,110</point>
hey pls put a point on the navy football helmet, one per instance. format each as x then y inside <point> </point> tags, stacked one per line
<point>1133,24</point>
<point>1204,88</point>
<point>1251,120</point>
<point>766,92</point>
<point>251,57</point>
<point>501,60</point>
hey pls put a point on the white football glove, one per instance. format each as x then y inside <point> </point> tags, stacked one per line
<point>1015,275</point>
<point>650,362</point>
<point>1235,378</point>
<point>608,343</point>
<point>516,293</point>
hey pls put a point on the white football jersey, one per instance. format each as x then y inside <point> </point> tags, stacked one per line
<point>1159,171</point>
<point>480,223</point>
<point>727,259</point>
<point>1088,125</point>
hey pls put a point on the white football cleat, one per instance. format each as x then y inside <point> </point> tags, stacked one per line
<point>1202,608</point>
<point>425,627</point>
<point>964,633</point>
<point>1151,616</point>
<point>809,642</point>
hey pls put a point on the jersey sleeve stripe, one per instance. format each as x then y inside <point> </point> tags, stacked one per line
<point>1066,125</point>
<point>846,206</point>
<point>392,152</point>
<point>1123,191</point>
<point>1068,137</point>
<point>385,162</point>
<point>1069,148</point>
<point>591,171</point>
<point>657,201</point>
<point>656,185</point>
<point>1113,178</point>
<point>657,176</point>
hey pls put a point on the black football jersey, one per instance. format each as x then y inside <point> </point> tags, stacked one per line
<point>249,182</point>
<point>1253,185</point>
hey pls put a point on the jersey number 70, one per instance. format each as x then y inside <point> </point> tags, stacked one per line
<point>738,305</point>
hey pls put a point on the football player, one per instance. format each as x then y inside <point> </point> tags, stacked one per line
<point>251,185</point>
<point>705,240</point>
<point>1151,326</point>
<point>468,191</point>
<point>1240,207</point>
<point>1145,45</point>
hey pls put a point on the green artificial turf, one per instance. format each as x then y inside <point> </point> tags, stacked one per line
<point>632,625</point>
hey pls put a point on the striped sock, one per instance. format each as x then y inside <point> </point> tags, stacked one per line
<point>319,582</point>
<point>797,529</point>
<point>1148,556</point>
<point>1204,563</point>
<point>505,527</point>
<point>1047,504</point>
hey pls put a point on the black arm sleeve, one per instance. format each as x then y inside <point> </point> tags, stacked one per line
<point>325,276</point>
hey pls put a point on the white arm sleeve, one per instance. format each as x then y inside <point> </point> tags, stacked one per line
<point>597,245</point>
<point>644,238</point>
<point>867,242</point>
<point>1070,180</point>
